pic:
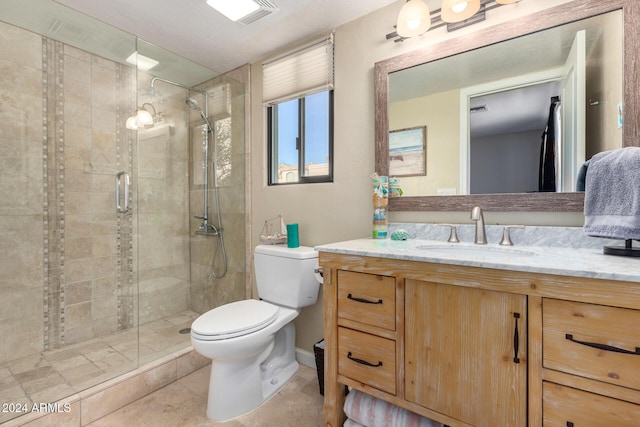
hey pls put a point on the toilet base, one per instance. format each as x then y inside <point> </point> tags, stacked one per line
<point>281,364</point>
<point>237,387</point>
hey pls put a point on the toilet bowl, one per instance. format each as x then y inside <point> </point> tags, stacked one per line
<point>252,342</point>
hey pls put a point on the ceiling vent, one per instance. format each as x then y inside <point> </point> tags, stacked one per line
<point>266,9</point>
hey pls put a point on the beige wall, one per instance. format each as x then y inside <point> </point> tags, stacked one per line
<point>440,113</point>
<point>342,210</point>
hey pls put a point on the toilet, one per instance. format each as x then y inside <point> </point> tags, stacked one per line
<point>251,343</point>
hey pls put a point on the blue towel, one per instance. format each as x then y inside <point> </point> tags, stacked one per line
<point>612,194</point>
<point>582,176</point>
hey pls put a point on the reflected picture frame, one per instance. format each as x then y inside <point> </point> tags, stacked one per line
<point>408,151</point>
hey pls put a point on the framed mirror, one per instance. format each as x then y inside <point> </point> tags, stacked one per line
<point>610,107</point>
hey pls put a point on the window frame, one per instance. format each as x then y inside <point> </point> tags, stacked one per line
<point>300,144</point>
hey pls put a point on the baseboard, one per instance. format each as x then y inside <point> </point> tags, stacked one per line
<point>305,357</point>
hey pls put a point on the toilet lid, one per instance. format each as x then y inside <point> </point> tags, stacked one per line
<point>235,319</point>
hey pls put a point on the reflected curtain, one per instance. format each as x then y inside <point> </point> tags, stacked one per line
<point>549,148</point>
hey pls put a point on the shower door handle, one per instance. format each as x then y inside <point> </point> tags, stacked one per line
<point>122,207</point>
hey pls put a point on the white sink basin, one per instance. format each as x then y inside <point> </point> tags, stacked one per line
<point>483,251</point>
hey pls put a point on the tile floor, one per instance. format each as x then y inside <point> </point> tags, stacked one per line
<point>53,375</point>
<point>183,404</point>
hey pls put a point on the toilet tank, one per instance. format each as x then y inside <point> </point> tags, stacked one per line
<point>284,276</point>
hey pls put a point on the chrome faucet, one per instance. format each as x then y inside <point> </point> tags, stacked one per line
<point>478,217</point>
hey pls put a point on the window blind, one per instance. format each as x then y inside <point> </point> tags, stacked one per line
<point>302,72</point>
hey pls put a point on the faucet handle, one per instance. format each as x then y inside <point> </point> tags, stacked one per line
<point>453,237</point>
<point>506,238</point>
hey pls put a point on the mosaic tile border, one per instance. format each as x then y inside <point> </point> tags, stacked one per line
<point>54,191</point>
<point>126,102</point>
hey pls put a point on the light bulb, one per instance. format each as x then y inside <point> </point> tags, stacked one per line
<point>413,24</point>
<point>143,117</point>
<point>132,123</point>
<point>459,7</point>
<point>414,19</point>
<point>458,10</point>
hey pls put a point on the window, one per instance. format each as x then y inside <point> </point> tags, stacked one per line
<point>300,140</point>
<point>298,95</point>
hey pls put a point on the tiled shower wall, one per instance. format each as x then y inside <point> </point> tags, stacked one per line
<point>67,266</point>
<point>163,205</point>
<point>21,196</point>
<point>68,261</point>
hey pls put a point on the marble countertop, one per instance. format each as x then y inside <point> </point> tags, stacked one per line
<point>578,262</point>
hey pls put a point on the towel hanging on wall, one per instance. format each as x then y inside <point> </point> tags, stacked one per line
<point>612,198</point>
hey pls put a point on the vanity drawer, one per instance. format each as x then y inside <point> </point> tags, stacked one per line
<point>368,359</point>
<point>565,406</point>
<point>592,341</point>
<point>367,298</point>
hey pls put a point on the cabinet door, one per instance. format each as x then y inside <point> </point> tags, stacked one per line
<point>465,353</point>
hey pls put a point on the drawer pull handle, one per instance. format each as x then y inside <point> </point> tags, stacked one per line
<point>516,338</point>
<point>569,424</point>
<point>351,297</point>
<point>363,362</point>
<point>602,346</point>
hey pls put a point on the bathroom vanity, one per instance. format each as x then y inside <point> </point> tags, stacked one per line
<point>483,335</point>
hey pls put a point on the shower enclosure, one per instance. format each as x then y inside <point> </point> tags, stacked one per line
<point>92,287</point>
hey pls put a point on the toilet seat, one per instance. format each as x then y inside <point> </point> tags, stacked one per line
<point>234,319</point>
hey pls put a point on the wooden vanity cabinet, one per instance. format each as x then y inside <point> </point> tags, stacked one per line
<point>440,340</point>
<point>465,353</point>
<point>454,354</point>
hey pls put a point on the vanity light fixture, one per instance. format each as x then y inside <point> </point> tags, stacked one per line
<point>414,19</point>
<point>455,14</point>
<point>234,9</point>
<point>142,118</point>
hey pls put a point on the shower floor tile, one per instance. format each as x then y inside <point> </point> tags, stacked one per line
<point>53,375</point>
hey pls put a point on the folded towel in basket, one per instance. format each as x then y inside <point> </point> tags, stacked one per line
<point>612,194</point>
<point>365,410</point>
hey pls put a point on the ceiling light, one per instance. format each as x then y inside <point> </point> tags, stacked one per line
<point>234,9</point>
<point>459,10</point>
<point>414,19</point>
<point>143,63</point>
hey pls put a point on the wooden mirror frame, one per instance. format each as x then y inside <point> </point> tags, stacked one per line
<point>552,17</point>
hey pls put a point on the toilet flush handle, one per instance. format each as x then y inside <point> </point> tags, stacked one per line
<point>318,272</point>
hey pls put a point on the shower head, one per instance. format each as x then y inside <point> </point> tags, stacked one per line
<point>193,104</point>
